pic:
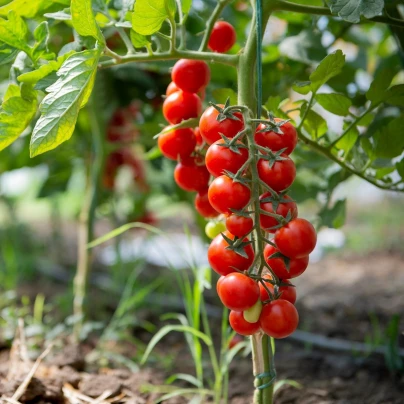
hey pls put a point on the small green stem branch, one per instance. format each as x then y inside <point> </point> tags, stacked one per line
<point>221,4</point>
<point>306,112</point>
<point>230,60</point>
<point>282,5</point>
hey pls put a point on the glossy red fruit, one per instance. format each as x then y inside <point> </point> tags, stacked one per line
<point>296,265</point>
<point>238,292</point>
<point>177,143</point>
<point>203,206</point>
<point>180,106</point>
<point>276,141</point>
<point>297,239</point>
<point>211,127</point>
<point>225,261</point>
<point>191,176</point>
<point>280,176</point>
<point>240,325</point>
<point>172,88</point>
<point>240,226</point>
<point>268,222</point>
<point>220,158</point>
<point>287,292</point>
<point>222,37</point>
<point>191,75</point>
<point>279,318</point>
<point>225,194</point>
<point>198,136</point>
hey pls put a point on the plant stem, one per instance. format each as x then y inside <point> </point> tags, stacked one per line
<point>230,60</point>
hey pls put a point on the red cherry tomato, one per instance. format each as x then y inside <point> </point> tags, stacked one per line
<point>190,176</point>
<point>191,75</point>
<point>238,292</point>
<point>177,143</point>
<point>297,239</point>
<point>240,226</point>
<point>279,318</point>
<point>240,325</point>
<point>276,141</point>
<point>224,261</point>
<point>211,128</point>
<point>203,206</point>
<point>280,176</point>
<point>267,222</point>
<point>296,265</point>
<point>198,136</point>
<point>220,158</point>
<point>225,194</point>
<point>287,292</point>
<point>222,37</point>
<point>180,106</point>
<point>172,88</point>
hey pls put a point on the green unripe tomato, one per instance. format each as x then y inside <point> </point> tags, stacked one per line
<point>252,314</point>
<point>212,229</point>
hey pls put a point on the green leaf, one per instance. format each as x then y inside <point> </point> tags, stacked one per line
<point>329,67</point>
<point>60,108</point>
<point>314,123</point>
<point>302,87</point>
<point>14,31</point>
<point>36,75</point>
<point>26,8</point>
<point>379,86</point>
<point>83,19</point>
<point>186,6</point>
<point>7,54</point>
<point>335,216</point>
<point>348,141</point>
<point>383,172</point>
<point>395,95</point>
<point>400,167</point>
<point>16,113</point>
<point>63,15</point>
<point>138,40</point>
<point>389,139</point>
<point>368,147</point>
<point>272,104</point>
<point>222,94</point>
<point>338,104</point>
<point>41,35</point>
<point>352,10</point>
<point>149,15</point>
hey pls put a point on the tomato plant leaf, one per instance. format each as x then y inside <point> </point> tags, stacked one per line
<point>186,6</point>
<point>36,75</point>
<point>389,139</point>
<point>348,141</point>
<point>7,53</point>
<point>338,104</point>
<point>138,40</point>
<point>14,31</point>
<point>222,94</point>
<point>60,108</point>
<point>352,10</point>
<point>83,19</point>
<point>26,8</point>
<point>377,90</point>
<point>329,67</point>
<point>334,216</point>
<point>149,15</point>
<point>400,167</point>
<point>314,123</point>
<point>63,15</point>
<point>302,87</point>
<point>16,113</point>
<point>395,95</point>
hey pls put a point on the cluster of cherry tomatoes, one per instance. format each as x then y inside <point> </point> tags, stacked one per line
<point>215,161</point>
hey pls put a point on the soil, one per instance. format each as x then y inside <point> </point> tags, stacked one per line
<point>336,298</point>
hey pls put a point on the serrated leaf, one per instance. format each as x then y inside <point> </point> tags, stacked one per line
<point>60,108</point>
<point>83,19</point>
<point>13,32</point>
<point>379,86</point>
<point>138,40</point>
<point>338,104</point>
<point>329,67</point>
<point>26,8</point>
<point>389,139</point>
<point>186,6</point>
<point>149,15</point>
<point>335,216</point>
<point>16,113</point>
<point>222,94</point>
<point>36,75</point>
<point>352,10</point>
<point>302,87</point>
